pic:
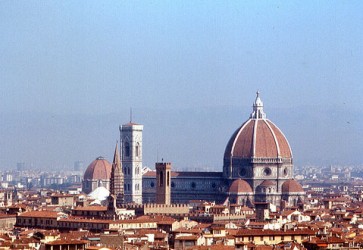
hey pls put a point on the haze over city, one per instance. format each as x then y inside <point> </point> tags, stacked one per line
<point>71,70</point>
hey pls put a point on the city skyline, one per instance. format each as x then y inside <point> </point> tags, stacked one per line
<point>72,70</point>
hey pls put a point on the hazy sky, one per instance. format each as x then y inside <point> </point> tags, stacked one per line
<point>101,57</point>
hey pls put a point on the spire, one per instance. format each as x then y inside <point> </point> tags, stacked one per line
<point>116,158</point>
<point>257,112</point>
<point>116,181</point>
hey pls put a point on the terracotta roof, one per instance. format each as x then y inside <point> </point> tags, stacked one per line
<point>241,142</point>
<point>91,208</point>
<point>99,169</point>
<point>197,174</point>
<point>240,186</point>
<point>75,234</point>
<point>193,230</point>
<point>267,183</point>
<point>187,174</point>
<point>19,205</point>
<point>213,247</point>
<point>254,232</point>
<point>7,216</point>
<point>186,237</point>
<point>130,124</point>
<point>287,212</point>
<point>40,214</point>
<point>62,195</point>
<point>291,186</point>
<point>66,242</point>
<point>108,221</point>
<point>258,138</point>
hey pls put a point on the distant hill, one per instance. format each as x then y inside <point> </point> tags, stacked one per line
<point>192,139</point>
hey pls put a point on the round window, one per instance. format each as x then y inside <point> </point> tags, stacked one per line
<point>243,172</point>
<point>172,184</point>
<point>267,171</point>
<point>193,185</point>
<point>214,185</point>
<point>152,184</point>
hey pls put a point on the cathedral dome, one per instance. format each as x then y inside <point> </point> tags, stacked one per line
<point>240,186</point>
<point>258,137</point>
<point>291,186</point>
<point>99,169</point>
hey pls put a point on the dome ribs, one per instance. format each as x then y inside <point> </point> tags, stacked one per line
<point>243,143</point>
<point>292,186</point>
<point>98,169</point>
<point>265,142</point>
<point>285,150</point>
<point>240,186</point>
<point>258,140</point>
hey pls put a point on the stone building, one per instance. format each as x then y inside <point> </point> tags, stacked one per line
<point>257,167</point>
<point>97,174</point>
<point>240,193</point>
<point>259,153</point>
<point>163,182</point>
<point>131,160</point>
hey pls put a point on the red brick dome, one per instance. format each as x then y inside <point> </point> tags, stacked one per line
<point>240,186</point>
<point>258,137</point>
<point>291,186</point>
<point>99,169</point>
<point>268,183</point>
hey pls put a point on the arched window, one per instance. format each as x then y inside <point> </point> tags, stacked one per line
<point>167,178</point>
<point>161,181</point>
<point>137,149</point>
<point>127,149</point>
<point>128,171</point>
<point>128,187</point>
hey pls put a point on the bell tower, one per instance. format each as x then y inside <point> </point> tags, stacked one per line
<point>163,182</point>
<point>131,161</point>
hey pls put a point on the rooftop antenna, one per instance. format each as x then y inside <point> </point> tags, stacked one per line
<point>130,115</point>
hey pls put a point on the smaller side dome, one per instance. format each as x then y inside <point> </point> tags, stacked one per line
<point>99,169</point>
<point>240,186</point>
<point>291,186</point>
<point>267,183</point>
